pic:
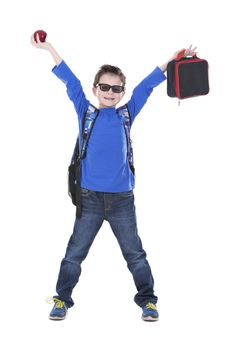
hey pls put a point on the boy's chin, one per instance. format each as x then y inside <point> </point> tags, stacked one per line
<point>107,105</point>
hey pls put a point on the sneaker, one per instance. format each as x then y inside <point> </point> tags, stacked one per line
<point>150,312</point>
<point>59,309</point>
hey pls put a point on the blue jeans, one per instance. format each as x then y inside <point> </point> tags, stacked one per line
<point>119,210</point>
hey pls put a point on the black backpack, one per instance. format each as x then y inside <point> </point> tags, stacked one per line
<point>79,153</point>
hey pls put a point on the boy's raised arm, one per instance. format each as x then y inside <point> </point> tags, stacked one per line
<point>144,89</point>
<point>63,72</point>
<point>46,46</point>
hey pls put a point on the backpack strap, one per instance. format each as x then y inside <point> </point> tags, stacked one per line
<point>74,171</point>
<point>87,125</point>
<point>123,112</point>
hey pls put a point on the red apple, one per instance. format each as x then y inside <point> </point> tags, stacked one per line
<point>42,35</point>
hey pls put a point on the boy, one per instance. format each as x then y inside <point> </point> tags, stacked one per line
<point>107,182</point>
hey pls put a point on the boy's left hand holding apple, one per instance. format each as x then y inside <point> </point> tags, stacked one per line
<point>46,46</point>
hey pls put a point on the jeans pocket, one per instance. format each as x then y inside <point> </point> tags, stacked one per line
<point>126,194</point>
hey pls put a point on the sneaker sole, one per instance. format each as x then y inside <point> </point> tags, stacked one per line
<point>150,319</point>
<point>56,318</point>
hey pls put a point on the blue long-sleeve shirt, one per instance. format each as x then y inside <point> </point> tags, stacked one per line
<point>105,167</point>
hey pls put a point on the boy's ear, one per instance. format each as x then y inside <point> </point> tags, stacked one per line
<point>94,90</point>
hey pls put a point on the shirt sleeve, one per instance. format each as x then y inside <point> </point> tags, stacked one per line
<point>143,91</point>
<point>74,88</point>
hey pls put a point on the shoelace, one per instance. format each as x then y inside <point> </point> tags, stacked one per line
<point>151,306</point>
<point>58,303</point>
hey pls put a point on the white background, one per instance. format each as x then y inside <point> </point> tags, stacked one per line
<point>183,159</point>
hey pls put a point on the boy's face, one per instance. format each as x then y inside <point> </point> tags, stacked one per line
<point>108,98</point>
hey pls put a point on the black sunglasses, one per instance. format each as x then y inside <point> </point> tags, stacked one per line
<point>115,88</point>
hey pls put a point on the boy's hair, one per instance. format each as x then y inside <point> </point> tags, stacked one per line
<point>107,68</point>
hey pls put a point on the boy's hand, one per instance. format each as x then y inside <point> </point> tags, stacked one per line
<point>187,52</point>
<point>190,51</point>
<point>39,44</point>
<point>46,46</point>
